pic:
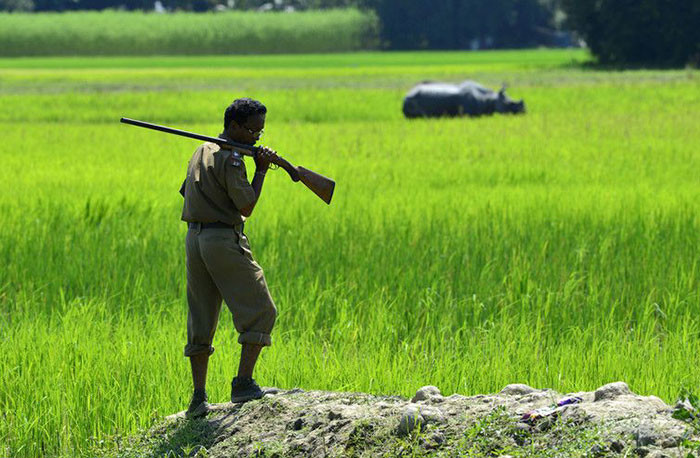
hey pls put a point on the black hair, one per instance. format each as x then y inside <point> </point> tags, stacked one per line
<point>242,109</point>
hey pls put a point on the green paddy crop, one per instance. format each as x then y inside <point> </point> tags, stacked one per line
<point>93,33</point>
<point>558,249</point>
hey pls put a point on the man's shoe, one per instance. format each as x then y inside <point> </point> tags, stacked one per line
<point>198,405</point>
<point>244,389</point>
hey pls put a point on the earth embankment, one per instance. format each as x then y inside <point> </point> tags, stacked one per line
<point>517,421</point>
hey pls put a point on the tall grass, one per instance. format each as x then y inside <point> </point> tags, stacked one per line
<point>132,33</point>
<point>558,249</point>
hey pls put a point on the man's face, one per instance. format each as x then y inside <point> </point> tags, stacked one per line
<point>249,131</point>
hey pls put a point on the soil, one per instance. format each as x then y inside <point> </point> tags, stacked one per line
<point>517,421</point>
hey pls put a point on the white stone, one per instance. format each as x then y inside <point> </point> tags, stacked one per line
<point>517,389</point>
<point>611,391</point>
<point>425,393</point>
<point>410,420</point>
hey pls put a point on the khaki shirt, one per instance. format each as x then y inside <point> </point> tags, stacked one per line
<point>216,186</point>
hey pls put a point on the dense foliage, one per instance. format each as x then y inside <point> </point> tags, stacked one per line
<point>656,32</point>
<point>460,24</point>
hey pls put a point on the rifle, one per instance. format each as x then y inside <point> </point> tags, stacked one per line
<point>321,186</point>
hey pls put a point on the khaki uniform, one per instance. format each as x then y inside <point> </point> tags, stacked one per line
<point>220,264</point>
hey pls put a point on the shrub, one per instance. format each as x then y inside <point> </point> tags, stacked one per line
<point>643,32</point>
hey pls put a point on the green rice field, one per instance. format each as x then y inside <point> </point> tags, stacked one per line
<point>560,248</point>
<point>105,33</point>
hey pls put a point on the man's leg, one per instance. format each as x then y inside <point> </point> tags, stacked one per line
<point>242,284</point>
<point>199,364</point>
<point>204,303</point>
<point>198,405</point>
<point>249,356</point>
<point>243,387</point>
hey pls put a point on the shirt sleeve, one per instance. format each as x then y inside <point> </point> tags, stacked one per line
<point>237,186</point>
<point>182,188</point>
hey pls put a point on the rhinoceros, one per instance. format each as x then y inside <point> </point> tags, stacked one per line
<point>430,99</point>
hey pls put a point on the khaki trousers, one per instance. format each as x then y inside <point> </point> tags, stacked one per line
<point>220,266</point>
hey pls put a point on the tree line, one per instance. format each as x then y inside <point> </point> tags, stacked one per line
<point>638,32</point>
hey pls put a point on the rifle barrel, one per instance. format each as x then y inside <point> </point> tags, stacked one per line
<point>322,186</point>
<point>248,150</point>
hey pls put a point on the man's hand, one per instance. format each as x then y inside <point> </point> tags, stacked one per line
<point>264,156</point>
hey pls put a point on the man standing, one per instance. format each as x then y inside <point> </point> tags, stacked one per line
<point>220,265</point>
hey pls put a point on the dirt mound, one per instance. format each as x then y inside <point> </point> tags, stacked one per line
<point>517,421</point>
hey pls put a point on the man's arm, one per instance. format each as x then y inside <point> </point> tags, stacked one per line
<point>262,163</point>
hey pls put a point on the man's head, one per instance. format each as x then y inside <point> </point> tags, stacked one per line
<point>244,120</point>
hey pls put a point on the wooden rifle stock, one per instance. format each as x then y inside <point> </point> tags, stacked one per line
<point>322,186</point>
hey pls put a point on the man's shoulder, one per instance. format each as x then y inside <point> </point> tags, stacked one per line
<point>209,147</point>
<point>222,155</point>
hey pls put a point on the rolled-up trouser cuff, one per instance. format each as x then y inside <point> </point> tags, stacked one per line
<point>255,338</point>
<point>198,349</point>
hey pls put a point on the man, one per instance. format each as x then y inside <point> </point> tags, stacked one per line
<point>220,265</point>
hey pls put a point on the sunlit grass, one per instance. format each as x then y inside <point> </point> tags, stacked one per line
<point>558,249</point>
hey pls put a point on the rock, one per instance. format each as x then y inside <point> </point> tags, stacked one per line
<point>383,405</point>
<point>670,442</point>
<point>432,414</point>
<point>641,451</point>
<point>660,404</point>
<point>517,389</point>
<point>611,391</point>
<point>574,414</point>
<point>425,393</point>
<point>646,434</point>
<point>410,420</point>
<point>351,411</point>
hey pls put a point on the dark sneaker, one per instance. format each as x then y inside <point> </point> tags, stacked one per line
<point>244,389</point>
<point>198,405</point>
